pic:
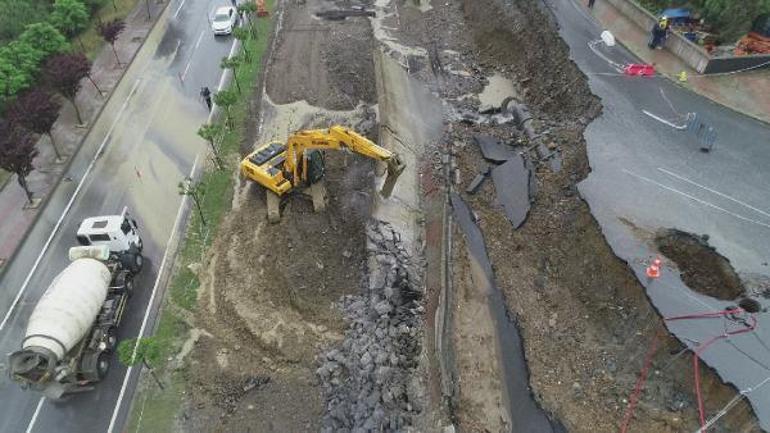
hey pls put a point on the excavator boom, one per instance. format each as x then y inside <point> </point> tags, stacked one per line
<point>282,167</point>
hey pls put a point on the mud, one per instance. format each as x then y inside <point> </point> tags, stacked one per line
<point>523,412</point>
<point>585,321</point>
<point>269,293</point>
<point>702,268</point>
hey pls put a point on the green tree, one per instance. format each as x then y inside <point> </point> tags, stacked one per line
<point>233,63</point>
<point>210,133</point>
<point>226,99</point>
<point>243,35</point>
<point>70,17</point>
<point>250,8</point>
<point>44,38</point>
<point>194,190</point>
<point>17,14</point>
<point>19,63</point>
<point>732,19</point>
<point>145,350</point>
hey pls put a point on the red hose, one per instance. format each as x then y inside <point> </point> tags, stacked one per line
<point>750,326</point>
<point>639,384</point>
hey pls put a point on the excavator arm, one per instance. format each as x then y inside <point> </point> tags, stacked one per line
<point>280,167</point>
<point>337,138</point>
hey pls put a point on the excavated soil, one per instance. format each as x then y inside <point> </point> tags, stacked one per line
<point>327,63</point>
<point>268,295</point>
<point>702,268</point>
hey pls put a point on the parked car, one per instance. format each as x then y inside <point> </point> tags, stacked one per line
<point>225,19</point>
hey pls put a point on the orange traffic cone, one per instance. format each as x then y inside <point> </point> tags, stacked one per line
<point>653,271</point>
<point>261,9</point>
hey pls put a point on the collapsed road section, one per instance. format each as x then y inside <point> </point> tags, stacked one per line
<point>381,313</point>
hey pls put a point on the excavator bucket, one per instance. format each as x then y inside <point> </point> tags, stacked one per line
<point>395,167</point>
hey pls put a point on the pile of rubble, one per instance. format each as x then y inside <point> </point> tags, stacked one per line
<point>366,380</point>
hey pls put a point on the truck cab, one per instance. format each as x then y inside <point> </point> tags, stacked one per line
<point>117,232</point>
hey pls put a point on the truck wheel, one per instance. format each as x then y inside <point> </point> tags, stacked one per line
<point>111,338</point>
<point>103,365</point>
<point>129,289</point>
<point>125,281</point>
<point>138,262</point>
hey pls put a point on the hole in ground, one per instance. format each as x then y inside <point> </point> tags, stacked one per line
<point>703,269</point>
<point>750,305</point>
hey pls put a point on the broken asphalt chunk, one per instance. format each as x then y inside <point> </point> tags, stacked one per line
<point>512,185</point>
<point>491,148</point>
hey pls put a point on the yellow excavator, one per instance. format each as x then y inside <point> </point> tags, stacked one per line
<point>298,164</point>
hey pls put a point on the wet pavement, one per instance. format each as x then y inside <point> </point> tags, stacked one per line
<point>144,142</point>
<point>647,176</point>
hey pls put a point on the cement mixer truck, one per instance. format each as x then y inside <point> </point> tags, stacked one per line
<point>71,332</point>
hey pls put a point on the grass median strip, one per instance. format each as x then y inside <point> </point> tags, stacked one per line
<point>155,409</point>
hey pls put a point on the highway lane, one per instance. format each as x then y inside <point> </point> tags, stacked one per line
<point>647,175</point>
<point>148,141</point>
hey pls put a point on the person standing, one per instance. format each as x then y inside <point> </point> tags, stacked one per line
<point>658,33</point>
<point>591,4</point>
<point>206,95</point>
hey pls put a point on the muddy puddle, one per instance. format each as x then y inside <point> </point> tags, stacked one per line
<point>525,413</point>
<point>496,91</point>
<point>702,268</point>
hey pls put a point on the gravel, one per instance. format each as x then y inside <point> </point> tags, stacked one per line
<point>366,378</point>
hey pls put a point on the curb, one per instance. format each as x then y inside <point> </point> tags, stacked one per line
<point>44,202</point>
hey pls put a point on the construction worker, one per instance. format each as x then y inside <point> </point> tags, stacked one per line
<point>658,33</point>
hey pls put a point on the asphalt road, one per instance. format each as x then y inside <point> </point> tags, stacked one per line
<point>141,146</point>
<point>648,175</point>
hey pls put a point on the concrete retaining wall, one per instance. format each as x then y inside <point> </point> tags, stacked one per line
<point>695,56</point>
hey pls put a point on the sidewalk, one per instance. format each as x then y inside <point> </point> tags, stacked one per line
<point>15,220</point>
<point>745,92</point>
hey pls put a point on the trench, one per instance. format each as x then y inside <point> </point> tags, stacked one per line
<point>525,412</point>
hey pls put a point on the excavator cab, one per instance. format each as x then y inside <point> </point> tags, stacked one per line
<point>315,166</point>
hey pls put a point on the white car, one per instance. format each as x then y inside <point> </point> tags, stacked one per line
<point>225,20</point>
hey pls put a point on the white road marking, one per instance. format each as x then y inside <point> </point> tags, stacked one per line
<point>696,199</point>
<point>664,121</point>
<point>189,61</point>
<point>182,205</point>
<point>742,203</point>
<point>179,8</point>
<point>174,230</point>
<point>31,424</point>
<point>67,208</point>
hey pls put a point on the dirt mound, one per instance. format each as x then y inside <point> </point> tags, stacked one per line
<point>520,37</point>
<point>327,63</point>
<point>267,298</point>
<point>702,268</point>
